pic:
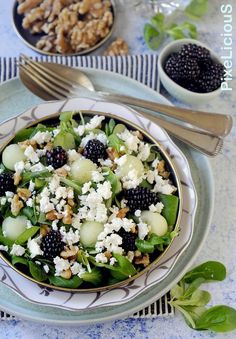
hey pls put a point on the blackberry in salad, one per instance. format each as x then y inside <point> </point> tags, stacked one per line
<point>85,201</point>
<point>194,69</point>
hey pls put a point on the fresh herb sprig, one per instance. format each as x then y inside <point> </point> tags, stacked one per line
<point>161,27</point>
<point>191,301</point>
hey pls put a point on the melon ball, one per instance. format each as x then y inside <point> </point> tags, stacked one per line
<point>156,221</point>
<point>82,169</point>
<point>128,163</point>
<point>89,232</point>
<point>11,155</point>
<point>13,227</point>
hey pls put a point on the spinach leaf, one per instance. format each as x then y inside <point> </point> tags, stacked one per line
<point>5,241</point>
<point>170,210</point>
<point>219,318</point>
<point>23,134</point>
<point>152,36</point>
<point>37,272</point>
<point>19,260</point>
<point>154,242</point>
<point>27,176</point>
<point>110,127</point>
<point>197,298</point>
<point>65,140</point>
<point>94,277</point>
<point>209,271</point>
<point>72,183</point>
<point>74,282</point>
<point>115,142</point>
<point>29,212</point>
<point>29,233</point>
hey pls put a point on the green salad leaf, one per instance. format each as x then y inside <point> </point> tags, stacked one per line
<point>29,233</point>
<point>115,182</point>
<point>64,139</point>
<point>19,260</point>
<point>30,213</point>
<point>37,272</point>
<point>23,134</point>
<point>72,183</point>
<point>27,176</point>
<point>6,241</point>
<point>209,271</point>
<point>152,36</point>
<point>94,277</point>
<point>170,210</point>
<point>74,282</point>
<point>191,302</point>
<point>154,242</point>
<point>115,142</point>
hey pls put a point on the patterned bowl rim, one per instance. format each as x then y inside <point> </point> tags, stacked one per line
<point>163,152</point>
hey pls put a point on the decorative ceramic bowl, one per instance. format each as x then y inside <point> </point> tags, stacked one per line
<point>31,39</point>
<point>172,87</point>
<point>29,119</point>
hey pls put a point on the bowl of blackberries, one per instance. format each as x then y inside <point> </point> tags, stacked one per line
<point>190,71</point>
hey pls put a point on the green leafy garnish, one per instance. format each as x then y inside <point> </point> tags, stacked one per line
<point>161,27</point>
<point>170,210</point>
<point>115,142</point>
<point>191,302</point>
<point>19,260</point>
<point>196,9</point>
<point>115,182</point>
<point>30,213</point>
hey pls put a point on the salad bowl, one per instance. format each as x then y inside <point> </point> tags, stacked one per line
<point>26,123</point>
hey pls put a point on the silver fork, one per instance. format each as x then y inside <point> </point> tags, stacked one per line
<point>51,85</point>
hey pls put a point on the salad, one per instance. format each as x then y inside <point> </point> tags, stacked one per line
<point>85,201</point>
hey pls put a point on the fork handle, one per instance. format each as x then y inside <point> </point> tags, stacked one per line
<point>217,124</point>
<point>203,142</point>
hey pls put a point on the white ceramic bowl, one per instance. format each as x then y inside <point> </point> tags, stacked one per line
<point>172,87</point>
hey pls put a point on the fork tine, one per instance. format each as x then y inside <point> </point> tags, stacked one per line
<point>40,82</point>
<point>46,70</point>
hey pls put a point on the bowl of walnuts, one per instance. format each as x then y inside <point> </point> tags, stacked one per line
<point>64,27</point>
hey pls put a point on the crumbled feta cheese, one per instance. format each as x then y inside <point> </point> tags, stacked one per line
<point>42,137</point>
<point>142,230</point>
<point>131,180</point>
<point>54,183</point>
<point>121,161</point>
<point>73,155</point>
<point>17,250</point>
<point>60,265</point>
<point>104,190</point>
<point>112,242</point>
<point>9,194</point>
<point>3,201</point>
<point>71,237</point>
<point>100,257</point>
<point>86,187</point>
<point>76,222</point>
<point>29,202</point>
<point>94,122</point>
<point>80,130</point>
<point>45,204</point>
<point>106,163</point>
<point>31,154</point>
<point>123,203</point>
<point>97,177</point>
<point>3,248</point>
<point>33,246</point>
<point>163,186</point>
<point>137,213</point>
<point>156,208</point>
<point>54,225</point>
<point>37,167</point>
<point>61,192</point>
<point>55,132</point>
<point>19,167</point>
<point>38,262</point>
<point>46,268</point>
<point>77,269</point>
<point>131,140</point>
<point>31,186</point>
<point>155,163</point>
<point>144,151</point>
<point>28,224</point>
<point>50,168</point>
<point>150,176</point>
<point>112,261</point>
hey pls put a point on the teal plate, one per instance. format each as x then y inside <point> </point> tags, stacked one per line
<point>14,98</point>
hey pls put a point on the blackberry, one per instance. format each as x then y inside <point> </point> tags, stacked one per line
<point>57,157</point>
<point>181,69</point>
<point>193,51</point>
<point>209,80</point>
<point>52,245</point>
<point>6,183</point>
<point>94,150</point>
<point>128,240</point>
<point>140,198</point>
